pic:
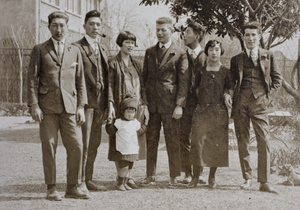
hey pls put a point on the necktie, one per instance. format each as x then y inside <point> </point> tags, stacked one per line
<point>59,50</point>
<point>96,48</point>
<point>193,54</point>
<point>253,57</point>
<point>163,47</point>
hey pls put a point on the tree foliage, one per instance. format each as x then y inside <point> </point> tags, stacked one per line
<point>280,19</point>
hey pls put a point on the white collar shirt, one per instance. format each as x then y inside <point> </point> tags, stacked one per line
<point>62,44</point>
<point>167,45</point>
<point>254,52</point>
<point>195,52</point>
<point>92,42</point>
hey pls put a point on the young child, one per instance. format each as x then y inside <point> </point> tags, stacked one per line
<point>126,130</point>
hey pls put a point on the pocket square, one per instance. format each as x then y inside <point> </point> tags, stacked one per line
<point>73,64</point>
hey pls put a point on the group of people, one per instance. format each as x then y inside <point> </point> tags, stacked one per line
<point>73,88</point>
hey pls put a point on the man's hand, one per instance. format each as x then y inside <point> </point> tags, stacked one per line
<point>177,113</point>
<point>146,114</point>
<point>111,112</point>
<point>80,117</point>
<point>228,101</point>
<point>36,113</point>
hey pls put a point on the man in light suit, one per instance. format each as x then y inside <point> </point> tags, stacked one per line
<point>256,74</point>
<point>56,96</point>
<point>193,36</point>
<point>95,71</point>
<point>166,84</point>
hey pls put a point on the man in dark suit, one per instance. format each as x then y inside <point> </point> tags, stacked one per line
<point>193,36</point>
<point>95,71</point>
<point>256,74</point>
<point>166,83</point>
<point>56,96</point>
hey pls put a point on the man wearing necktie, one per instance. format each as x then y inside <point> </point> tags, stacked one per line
<point>96,78</point>
<point>56,97</point>
<point>166,82</point>
<point>256,75</point>
<point>193,36</point>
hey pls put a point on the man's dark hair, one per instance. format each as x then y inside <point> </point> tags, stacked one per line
<point>125,35</point>
<point>213,43</point>
<point>92,13</point>
<point>197,28</point>
<point>57,14</point>
<point>252,25</point>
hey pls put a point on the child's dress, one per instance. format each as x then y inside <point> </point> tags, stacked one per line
<point>127,138</point>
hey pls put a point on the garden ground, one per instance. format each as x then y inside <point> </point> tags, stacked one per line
<point>21,180</point>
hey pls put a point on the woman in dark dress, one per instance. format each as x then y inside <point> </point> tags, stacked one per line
<point>209,141</point>
<point>125,77</point>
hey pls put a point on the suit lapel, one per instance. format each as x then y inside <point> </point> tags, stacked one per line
<point>50,47</point>
<point>103,55</point>
<point>89,51</point>
<point>167,55</point>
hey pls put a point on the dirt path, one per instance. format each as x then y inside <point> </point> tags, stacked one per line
<point>21,180</point>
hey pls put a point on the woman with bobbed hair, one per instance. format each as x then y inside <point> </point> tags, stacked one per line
<point>125,77</point>
<point>209,138</point>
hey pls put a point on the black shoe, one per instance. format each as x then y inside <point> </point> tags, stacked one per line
<point>149,180</point>
<point>212,183</point>
<point>53,195</point>
<point>94,187</point>
<point>265,187</point>
<point>76,193</point>
<point>193,183</point>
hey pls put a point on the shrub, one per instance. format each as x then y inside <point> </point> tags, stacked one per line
<point>280,157</point>
<point>14,109</point>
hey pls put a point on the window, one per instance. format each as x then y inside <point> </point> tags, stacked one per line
<point>54,2</point>
<point>73,6</point>
<point>92,4</point>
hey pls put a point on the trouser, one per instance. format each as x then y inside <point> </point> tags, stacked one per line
<point>72,140</point>
<point>256,110</point>
<point>170,126</point>
<point>91,138</point>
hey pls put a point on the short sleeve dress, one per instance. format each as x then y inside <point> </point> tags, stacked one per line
<point>209,138</point>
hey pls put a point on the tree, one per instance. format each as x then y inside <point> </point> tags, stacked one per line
<point>280,21</point>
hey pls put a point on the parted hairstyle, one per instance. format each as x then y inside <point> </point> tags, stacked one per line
<point>252,25</point>
<point>198,29</point>
<point>125,35</point>
<point>165,20</point>
<point>90,14</point>
<point>213,43</point>
<point>57,14</point>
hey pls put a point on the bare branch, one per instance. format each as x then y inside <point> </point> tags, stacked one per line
<point>259,6</point>
<point>280,15</point>
<point>248,5</point>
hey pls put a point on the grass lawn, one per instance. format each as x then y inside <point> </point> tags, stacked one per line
<point>22,180</point>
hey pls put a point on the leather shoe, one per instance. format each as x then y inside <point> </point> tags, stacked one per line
<point>93,187</point>
<point>149,180</point>
<point>131,183</point>
<point>173,183</point>
<point>247,184</point>
<point>187,179</point>
<point>265,187</point>
<point>76,193</point>
<point>193,183</point>
<point>83,188</point>
<point>201,180</point>
<point>212,183</point>
<point>53,195</point>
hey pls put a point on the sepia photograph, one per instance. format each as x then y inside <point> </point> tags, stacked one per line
<point>149,104</point>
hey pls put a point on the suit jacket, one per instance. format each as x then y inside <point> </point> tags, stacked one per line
<point>53,84</point>
<point>94,90</point>
<point>267,64</point>
<point>166,83</point>
<point>116,81</point>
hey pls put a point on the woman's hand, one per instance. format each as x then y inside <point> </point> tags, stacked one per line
<point>228,101</point>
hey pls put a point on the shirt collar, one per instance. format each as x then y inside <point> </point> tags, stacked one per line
<point>55,41</point>
<point>90,40</point>
<point>197,50</point>
<point>254,51</point>
<point>167,45</point>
